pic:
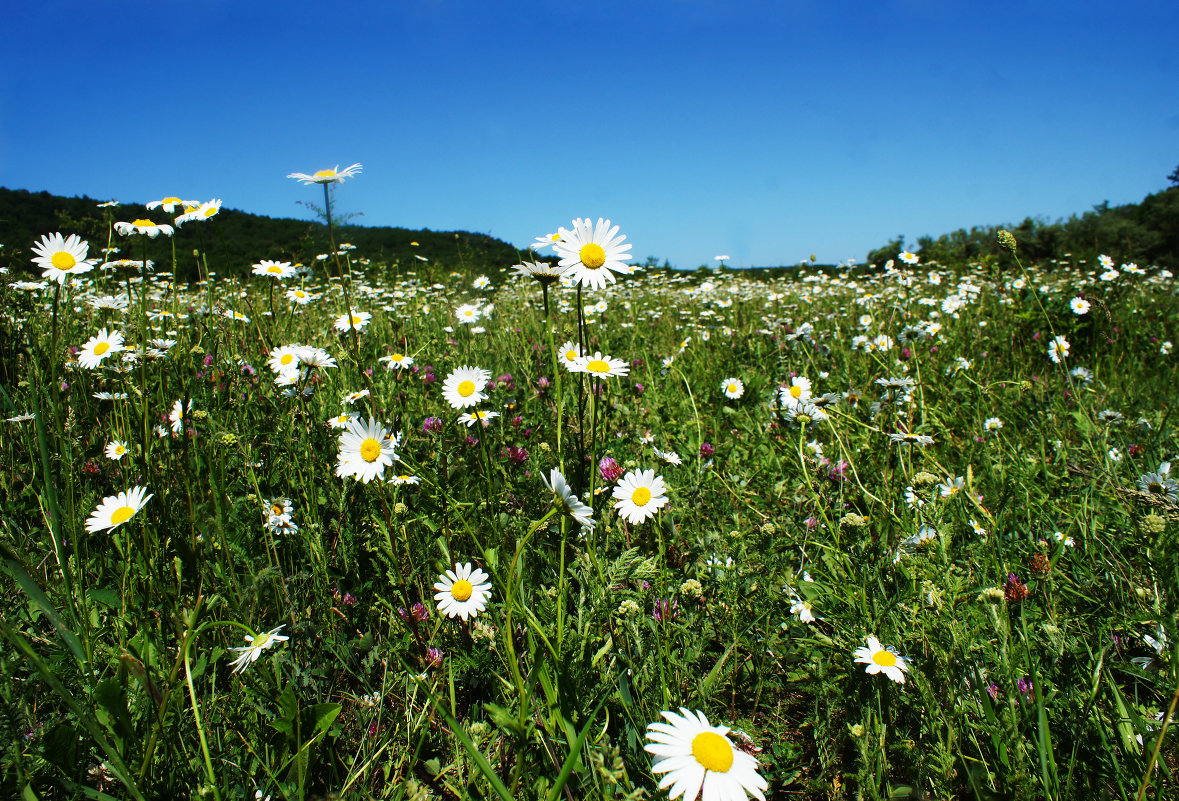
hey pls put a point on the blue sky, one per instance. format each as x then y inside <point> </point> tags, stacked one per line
<point>763,130</point>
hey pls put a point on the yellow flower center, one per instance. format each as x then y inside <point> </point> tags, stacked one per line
<point>356,320</point>
<point>210,211</point>
<point>466,389</point>
<point>712,751</point>
<point>101,348</point>
<point>570,355</point>
<point>324,174</point>
<point>796,391</point>
<point>121,515</point>
<point>274,268</point>
<point>120,450</point>
<point>461,590</point>
<point>592,255</point>
<point>142,223</point>
<point>396,357</point>
<point>275,509</point>
<point>732,387</point>
<point>598,366</point>
<point>641,496</point>
<point>168,201</point>
<point>62,260</point>
<point>287,358</point>
<point>370,449</point>
<point>885,658</point>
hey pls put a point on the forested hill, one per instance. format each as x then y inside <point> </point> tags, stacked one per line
<point>234,240</point>
<point>1146,232</point>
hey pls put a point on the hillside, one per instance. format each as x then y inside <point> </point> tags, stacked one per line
<point>236,239</point>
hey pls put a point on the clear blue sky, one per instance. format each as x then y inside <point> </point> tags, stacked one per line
<point>763,130</point>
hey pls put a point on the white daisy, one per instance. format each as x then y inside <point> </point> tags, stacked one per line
<point>1079,306</point>
<point>733,388</point>
<point>477,416</point>
<point>462,592</point>
<point>285,359</point>
<point>257,644</point>
<point>117,509</point>
<point>1058,349</point>
<point>700,760</point>
<point>60,257</point>
<point>332,176</point>
<point>638,495</point>
<point>170,204</point>
<point>100,347</point>
<point>467,314</point>
<point>300,296</point>
<point>397,361</point>
<point>600,366</point>
<point>570,352</point>
<point>366,449</point>
<point>355,319</point>
<point>202,212</point>
<point>564,496</point>
<point>176,416</point>
<point>116,450</point>
<point>882,660</point>
<point>592,254</point>
<point>798,392</point>
<point>464,387</point>
<point>142,226</point>
<point>274,269</point>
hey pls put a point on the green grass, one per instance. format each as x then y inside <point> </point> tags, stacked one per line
<point>115,651</point>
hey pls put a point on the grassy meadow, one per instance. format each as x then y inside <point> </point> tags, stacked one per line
<point>896,532</point>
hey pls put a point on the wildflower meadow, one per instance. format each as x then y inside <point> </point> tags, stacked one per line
<point>576,528</point>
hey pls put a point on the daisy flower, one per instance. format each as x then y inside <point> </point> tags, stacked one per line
<point>300,296</point>
<point>798,392</point>
<point>366,449</point>
<point>592,254</point>
<point>397,361</point>
<point>343,419</point>
<point>257,644</point>
<point>802,609</point>
<point>142,226</point>
<point>570,353</point>
<point>468,313</point>
<point>169,204</point>
<point>600,366</point>
<point>482,282</point>
<point>116,450</point>
<point>202,212</point>
<point>332,176</point>
<point>1058,349</point>
<point>59,257</point>
<point>565,497</point>
<point>669,457</point>
<point>355,319</point>
<point>1079,306</point>
<point>462,592</point>
<point>907,257</point>
<point>100,347</point>
<point>117,509</point>
<point>284,359</point>
<point>700,760</point>
<point>911,439</point>
<point>176,416</point>
<point>977,527</point>
<point>403,480</point>
<point>638,495</point>
<point>352,397</point>
<point>733,388</point>
<point>540,271</point>
<point>478,416</point>
<point>882,660</point>
<point>993,424</point>
<point>548,241</point>
<point>464,387</point>
<point>275,269</point>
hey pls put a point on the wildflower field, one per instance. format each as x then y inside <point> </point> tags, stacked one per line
<point>574,529</point>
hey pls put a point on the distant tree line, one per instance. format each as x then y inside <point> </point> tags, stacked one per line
<point>233,240</point>
<point>1146,232</point>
